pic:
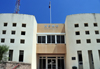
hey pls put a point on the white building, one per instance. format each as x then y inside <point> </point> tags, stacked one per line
<point>73,45</point>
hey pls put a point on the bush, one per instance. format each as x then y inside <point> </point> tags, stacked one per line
<point>3,50</point>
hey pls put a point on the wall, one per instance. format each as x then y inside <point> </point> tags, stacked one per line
<point>73,47</point>
<point>42,29</point>
<point>29,46</point>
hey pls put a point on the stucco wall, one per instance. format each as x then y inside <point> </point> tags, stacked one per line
<point>58,28</point>
<point>73,47</point>
<point>29,46</point>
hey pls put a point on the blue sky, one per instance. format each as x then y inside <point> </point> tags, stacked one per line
<point>59,8</point>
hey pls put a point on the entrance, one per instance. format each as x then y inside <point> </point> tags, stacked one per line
<point>51,62</point>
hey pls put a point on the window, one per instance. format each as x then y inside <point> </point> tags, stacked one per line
<point>78,41</point>
<point>13,32</point>
<point>85,24</point>
<point>97,32</point>
<point>76,25</point>
<point>2,40</point>
<point>12,40</point>
<point>60,39</point>
<point>50,38</point>
<point>22,32</point>
<point>88,41</point>
<point>73,58</point>
<point>98,40</point>
<point>4,32</point>
<point>22,41</point>
<point>77,33</point>
<point>23,25</point>
<point>21,55</point>
<point>5,24</point>
<point>41,39</point>
<point>14,24</point>
<point>95,25</point>
<point>87,32</point>
<point>10,55</point>
<point>80,57</point>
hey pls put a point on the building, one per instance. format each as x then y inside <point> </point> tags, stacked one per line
<point>73,45</point>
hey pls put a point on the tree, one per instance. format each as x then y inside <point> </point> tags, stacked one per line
<point>3,50</point>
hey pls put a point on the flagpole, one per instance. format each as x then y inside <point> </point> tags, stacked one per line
<point>50,11</point>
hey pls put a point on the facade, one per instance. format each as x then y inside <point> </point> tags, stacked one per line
<point>73,45</point>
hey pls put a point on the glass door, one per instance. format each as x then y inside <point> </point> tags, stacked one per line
<point>51,63</point>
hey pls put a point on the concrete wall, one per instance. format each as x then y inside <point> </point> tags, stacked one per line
<point>73,47</point>
<point>51,48</point>
<point>42,29</point>
<point>29,46</point>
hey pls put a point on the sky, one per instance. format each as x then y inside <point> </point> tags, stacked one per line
<point>59,8</point>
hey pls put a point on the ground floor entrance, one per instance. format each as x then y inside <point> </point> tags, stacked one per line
<point>51,62</point>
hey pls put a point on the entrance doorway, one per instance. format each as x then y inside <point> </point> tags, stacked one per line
<point>51,62</point>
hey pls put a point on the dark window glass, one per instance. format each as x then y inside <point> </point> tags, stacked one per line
<point>48,39</point>
<point>78,41</point>
<point>14,24</point>
<point>39,39</point>
<point>44,64</point>
<point>2,40</point>
<point>11,40</point>
<point>23,25</point>
<point>62,39</point>
<point>76,25</point>
<point>95,25</point>
<point>88,41</point>
<point>13,32</point>
<point>87,32</point>
<point>53,38</point>
<point>98,40</point>
<point>5,24</point>
<point>73,58</point>
<point>60,63</point>
<point>4,32</point>
<point>96,32</point>
<point>10,55</point>
<point>86,24</point>
<point>23,33</point>
<point>58,38</point>
<point>77,33</point>
<point>80,57</point>
<point>43,39</point>
<point>22,41</point>
<point>21,55</point>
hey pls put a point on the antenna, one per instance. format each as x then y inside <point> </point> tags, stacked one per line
<point>17,6</point>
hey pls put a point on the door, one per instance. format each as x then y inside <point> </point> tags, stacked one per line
<point>51,63</point>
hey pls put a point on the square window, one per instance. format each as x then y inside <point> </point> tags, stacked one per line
<point>23,25</point>
<point>98,40</point>
<point>2,40</point>
<point>88,41</point>
<point>77,33</point>
<point>22,32</point>
<point>4,32</point>
<point>73,58</point>
<point>87,32</point>
<point>78,41</point>
<point>13,32</point>
<point>11,40</point>
<point>14,24</point>
<point>76,25</point>
<point>85,24</point>
<point>95,25</point>
<point>22,41</point>
<point>5,24</point>
<point>96,32</point>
